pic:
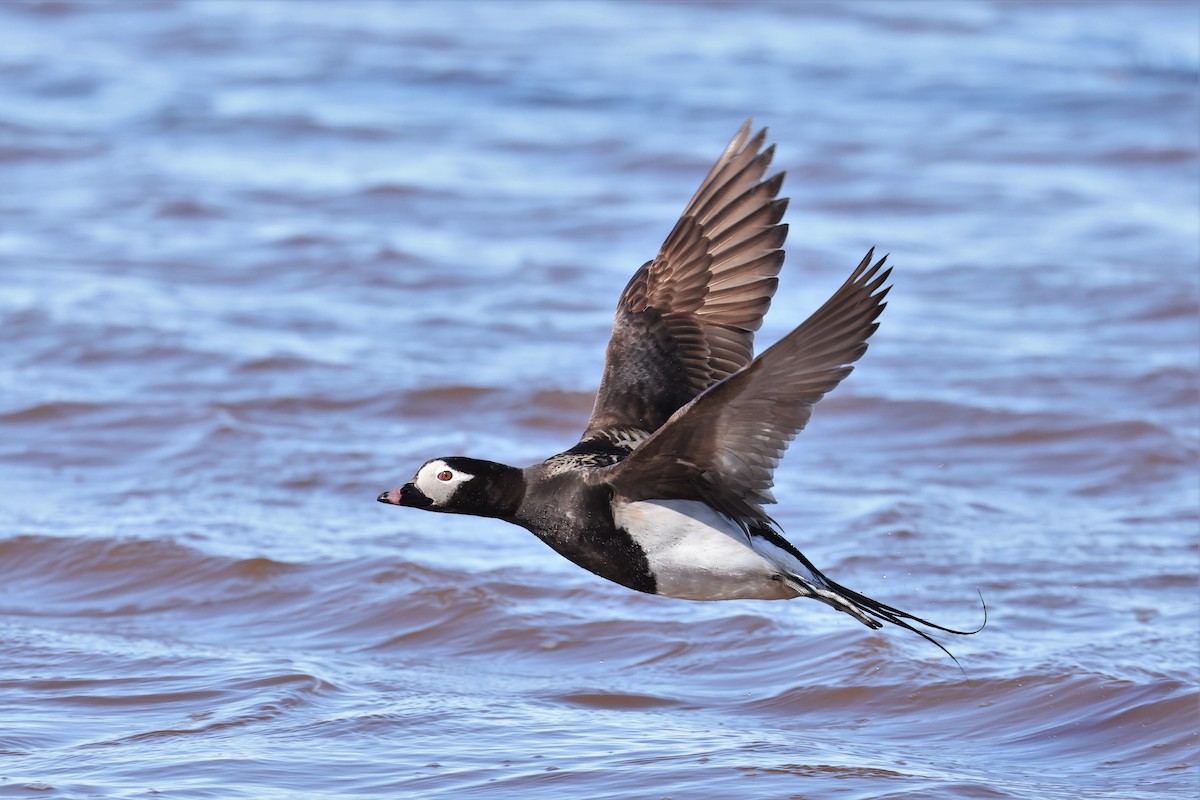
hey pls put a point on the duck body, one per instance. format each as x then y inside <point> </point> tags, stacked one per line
<point>676,548</point>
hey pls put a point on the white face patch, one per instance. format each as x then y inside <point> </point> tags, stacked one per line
<point>438,481</point>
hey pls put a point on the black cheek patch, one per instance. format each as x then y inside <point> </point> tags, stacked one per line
<point>413,497</point>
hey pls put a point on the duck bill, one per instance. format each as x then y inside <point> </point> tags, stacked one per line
<point>407,495</point>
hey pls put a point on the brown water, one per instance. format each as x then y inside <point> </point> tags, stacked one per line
<point>260,260</point>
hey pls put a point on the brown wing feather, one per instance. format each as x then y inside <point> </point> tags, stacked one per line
<point>686,320</point>
<point>724,445</point>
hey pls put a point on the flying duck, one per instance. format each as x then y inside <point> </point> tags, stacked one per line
<point>664,493</point>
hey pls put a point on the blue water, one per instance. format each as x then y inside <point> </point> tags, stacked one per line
<point>259,260</point>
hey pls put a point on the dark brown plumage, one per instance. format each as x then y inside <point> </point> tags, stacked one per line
<point>722,447</point>
<point>687,318</point>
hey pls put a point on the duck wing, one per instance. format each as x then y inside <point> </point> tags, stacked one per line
<point>722,447</point>
<point>686,320</point>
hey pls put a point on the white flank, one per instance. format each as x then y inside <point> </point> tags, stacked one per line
<point>697,554</point>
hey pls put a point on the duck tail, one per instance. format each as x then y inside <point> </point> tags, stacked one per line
<point>873,613</point>
<point>833,596</point>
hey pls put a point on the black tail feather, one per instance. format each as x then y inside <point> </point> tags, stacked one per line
<point>865,609</point>
<point>895,616</point>
<point>886,613</point>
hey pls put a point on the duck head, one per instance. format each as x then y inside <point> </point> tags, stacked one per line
<point>461,485</point>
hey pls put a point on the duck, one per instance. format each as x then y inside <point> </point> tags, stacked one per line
<point>664,493</point>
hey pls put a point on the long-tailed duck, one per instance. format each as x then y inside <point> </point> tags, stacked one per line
<point>665,491</point>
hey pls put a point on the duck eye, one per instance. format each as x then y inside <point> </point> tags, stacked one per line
<point>445,475</point>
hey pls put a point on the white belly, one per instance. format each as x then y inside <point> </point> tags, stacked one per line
<point>697,554</point>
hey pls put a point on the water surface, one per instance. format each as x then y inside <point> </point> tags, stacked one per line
<point>260,260</point>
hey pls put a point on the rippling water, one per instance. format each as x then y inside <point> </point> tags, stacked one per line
<point>259,260</point>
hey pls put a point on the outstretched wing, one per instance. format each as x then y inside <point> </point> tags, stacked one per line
<point>723,446</point>
<point>687,319</point>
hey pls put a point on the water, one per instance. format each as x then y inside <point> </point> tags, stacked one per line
<point>260,260</point>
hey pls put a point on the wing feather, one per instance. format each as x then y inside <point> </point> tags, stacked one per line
<point>723,446</point>
<point>686,320</point>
